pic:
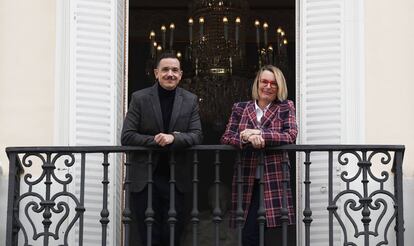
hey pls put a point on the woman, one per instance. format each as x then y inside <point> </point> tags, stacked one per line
<point>268,120</point>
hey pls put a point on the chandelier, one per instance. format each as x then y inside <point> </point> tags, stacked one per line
<point>216,39</point>
<point>214,59</point>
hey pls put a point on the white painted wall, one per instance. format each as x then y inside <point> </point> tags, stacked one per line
<point>389,100</point>
<point>389,39</point>
<point>27,48</point>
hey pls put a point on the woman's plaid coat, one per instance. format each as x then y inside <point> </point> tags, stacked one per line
<point>278,126</point>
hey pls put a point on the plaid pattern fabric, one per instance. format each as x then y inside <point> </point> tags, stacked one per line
<point>278,127</point>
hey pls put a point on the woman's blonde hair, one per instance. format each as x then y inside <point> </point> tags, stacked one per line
<point>282,92</point>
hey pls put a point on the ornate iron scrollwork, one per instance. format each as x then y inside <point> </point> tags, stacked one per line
<point>365,201</point>
<point>49,204</point>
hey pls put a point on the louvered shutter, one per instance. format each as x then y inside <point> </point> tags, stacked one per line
<point>96,55</point>
<point>320,102</point>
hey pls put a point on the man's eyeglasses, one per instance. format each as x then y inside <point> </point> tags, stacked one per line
<point>174,70</point>
<point>266,82</point>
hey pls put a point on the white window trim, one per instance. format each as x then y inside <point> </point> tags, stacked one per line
<point>126,61</point>
<point>353,107</point>
<point>353,103</point>
<point>354,73</point>
<point>62,74</point>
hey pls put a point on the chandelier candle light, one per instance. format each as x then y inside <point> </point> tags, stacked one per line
<point>152,41</point>
<point>163,30</point>
<point>172,27</point>
<point>265,26</point>
<point>237,30</point>
<point>257,25</point>
<point>190,30</point>
<point>226,28</point>
<point>201,21</point>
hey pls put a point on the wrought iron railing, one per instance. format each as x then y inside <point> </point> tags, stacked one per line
<point>360,163</point>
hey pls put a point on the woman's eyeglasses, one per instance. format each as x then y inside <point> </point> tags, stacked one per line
<point>266,82</point>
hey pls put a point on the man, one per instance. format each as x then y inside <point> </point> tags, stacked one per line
<point>163,115</point>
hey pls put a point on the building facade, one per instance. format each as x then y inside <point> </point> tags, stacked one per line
<point>351,66</point>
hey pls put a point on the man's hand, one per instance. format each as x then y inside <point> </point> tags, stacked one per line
<point>246,133</point>
<point>163,139</point>
<point>257,141</point>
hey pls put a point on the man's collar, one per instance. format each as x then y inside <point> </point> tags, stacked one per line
<point>163,91</point>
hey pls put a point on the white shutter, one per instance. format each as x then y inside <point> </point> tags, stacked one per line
<point>321,83</point>
<point>96,55</point>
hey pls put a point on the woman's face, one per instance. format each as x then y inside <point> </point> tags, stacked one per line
<point>267,87</point>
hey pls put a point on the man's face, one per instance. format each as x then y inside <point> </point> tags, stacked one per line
<point>168,73</point>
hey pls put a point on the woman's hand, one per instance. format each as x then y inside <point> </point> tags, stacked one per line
<point>257,141</point>
<point>245,134</point>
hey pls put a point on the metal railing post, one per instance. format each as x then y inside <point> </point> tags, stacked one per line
<point>398,159</point>
<point>105,212</point>
<point>81,201</point>
<point>284,210</point>
<point>13,192</point>
<point>307,212</point>
<point>239,212</point>
<point>149,212</point>
<point>261,214</point>
<point>331,207</point>
<point>126,214</point>
<point>217,211</point>
<point>172,212</point>
<point>194,213</point>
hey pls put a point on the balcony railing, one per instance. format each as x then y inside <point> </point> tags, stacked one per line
<point>40,192</point>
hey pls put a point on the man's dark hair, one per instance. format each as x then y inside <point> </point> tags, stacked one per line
<point>167,54</point>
